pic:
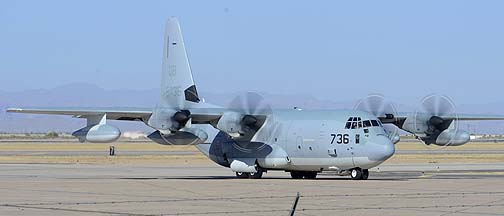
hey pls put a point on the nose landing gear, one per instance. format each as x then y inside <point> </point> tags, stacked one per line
<point>359,174</point>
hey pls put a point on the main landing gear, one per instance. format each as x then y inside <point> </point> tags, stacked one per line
<point>359,174</point>
<point>303,174</point>
<point>254,175</point>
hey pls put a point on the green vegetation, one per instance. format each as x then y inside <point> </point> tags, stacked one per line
<point>52,134</point>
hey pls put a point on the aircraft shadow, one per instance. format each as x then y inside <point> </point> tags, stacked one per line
<point>264,178</point>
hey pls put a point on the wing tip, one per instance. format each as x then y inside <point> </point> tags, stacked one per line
<point>14,110</point>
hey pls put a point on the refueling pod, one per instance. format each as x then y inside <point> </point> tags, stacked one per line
<point>97,130</point>
<point>98,134</point>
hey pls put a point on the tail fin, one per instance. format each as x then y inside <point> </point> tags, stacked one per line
<point>177,84</point>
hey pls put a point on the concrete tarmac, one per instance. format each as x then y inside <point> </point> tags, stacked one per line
<point>108,189</point>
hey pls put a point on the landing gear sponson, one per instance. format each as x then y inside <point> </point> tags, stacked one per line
<point>355,174</point>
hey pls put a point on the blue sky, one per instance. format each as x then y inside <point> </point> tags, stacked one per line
<point>334,50</point>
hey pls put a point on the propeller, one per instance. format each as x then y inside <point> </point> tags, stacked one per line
<point>169,120</point>
<point>250,122</point>
<point>434,112</point>
<point>251,106</point>
<point>377,105</point>
<point>181,118</point>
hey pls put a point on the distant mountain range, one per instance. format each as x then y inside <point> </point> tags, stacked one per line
<point>86,95</point>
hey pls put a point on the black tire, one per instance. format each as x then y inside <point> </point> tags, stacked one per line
<point>256,175</point>
<point>310,175</point>
<point>242,175</point>
<point>365,174</point>
<point>356,174</point>
<point>296,174</point>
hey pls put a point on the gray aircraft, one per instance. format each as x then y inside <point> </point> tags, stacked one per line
<point>252,138</point>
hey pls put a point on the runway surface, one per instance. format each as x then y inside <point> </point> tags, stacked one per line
<point>196,152</point>
<point>399,189</point>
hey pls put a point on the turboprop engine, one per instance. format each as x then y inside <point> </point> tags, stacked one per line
<point>98,134</point>
<point>437,123</point>
<point>248,113</point>
<point>174,128</point>
<point>236,124</point>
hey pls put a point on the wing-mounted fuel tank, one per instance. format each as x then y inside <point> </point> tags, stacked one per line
<point>186,136</point>
<point>246,156</point>
<point>97,131</point>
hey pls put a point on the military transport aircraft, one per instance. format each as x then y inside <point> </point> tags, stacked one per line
<point>253,138</point>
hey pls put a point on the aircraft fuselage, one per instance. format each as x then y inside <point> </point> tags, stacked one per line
<point>308,141</point>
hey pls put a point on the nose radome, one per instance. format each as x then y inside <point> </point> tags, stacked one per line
<point>383,149</point>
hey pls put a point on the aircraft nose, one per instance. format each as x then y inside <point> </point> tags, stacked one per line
<point>383,148</point>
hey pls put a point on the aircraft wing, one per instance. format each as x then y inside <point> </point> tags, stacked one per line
<point>461,117</point>
<point>198,115</point>
<point>126,114</point>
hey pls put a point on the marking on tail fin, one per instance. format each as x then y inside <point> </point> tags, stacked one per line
<point>191,94</point>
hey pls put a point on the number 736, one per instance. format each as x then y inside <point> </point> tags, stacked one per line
<point>340,138</point>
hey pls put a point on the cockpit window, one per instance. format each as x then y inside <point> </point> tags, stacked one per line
<point>357,122</point>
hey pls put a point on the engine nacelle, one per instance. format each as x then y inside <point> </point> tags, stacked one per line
<point>230,123</point>
<point>452,138</point>
<point>186,136</point>
<point>161,119</point>
<point>101,133</point>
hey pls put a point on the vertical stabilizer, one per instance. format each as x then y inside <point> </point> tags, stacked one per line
<point>177,84</point>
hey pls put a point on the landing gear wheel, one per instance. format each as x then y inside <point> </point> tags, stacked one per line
<point>365,174</point>
<point>310,175</point>
<point>242,175</point>
<point>356,174</point>
<point>296,174</point>
<point>256,175</point>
